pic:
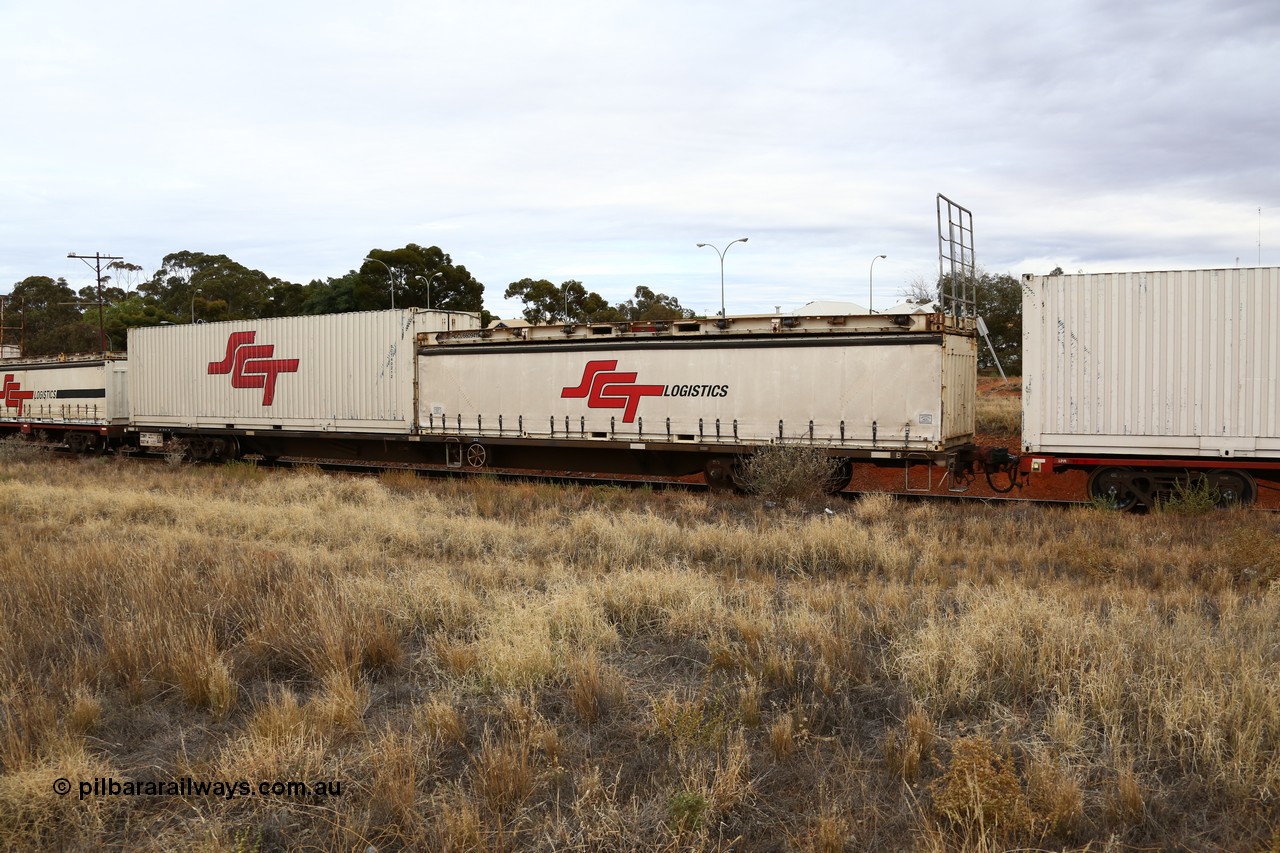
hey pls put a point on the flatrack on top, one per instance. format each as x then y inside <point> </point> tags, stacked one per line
<point>69,359</point>
<point>758,325</point>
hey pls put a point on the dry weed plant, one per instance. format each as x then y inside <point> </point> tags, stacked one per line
<point>800,473</point>
<point>488,666</point>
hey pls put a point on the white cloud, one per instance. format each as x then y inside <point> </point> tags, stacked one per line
<point>601,141</point>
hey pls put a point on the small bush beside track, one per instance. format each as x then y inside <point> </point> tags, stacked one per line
<point>791,472</point>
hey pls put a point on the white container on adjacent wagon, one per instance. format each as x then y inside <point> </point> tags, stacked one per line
<point>1153,363</point>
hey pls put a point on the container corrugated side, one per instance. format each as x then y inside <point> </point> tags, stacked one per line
<point>959,388</point>
<point>81,392</point>
<point>883,392</point>
<point>330,372</point>
<point>1181,362</point>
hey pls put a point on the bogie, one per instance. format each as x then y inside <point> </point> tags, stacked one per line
<point>1124,488</point>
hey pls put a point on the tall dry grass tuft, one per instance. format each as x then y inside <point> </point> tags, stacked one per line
<point>999,416</point>
<point>457,825</point>
<point>909,747</point>
<point>1056,797</point>
<point>503,773</point>
<point>28,725</point>
<point>200,671</point>
<point>443,721</point>
<point>35,816</point>
<point>782,737</point>
<point>594,689</point>
<point>402,766</point>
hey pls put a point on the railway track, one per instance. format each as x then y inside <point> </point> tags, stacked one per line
<point>632,481</point>
<point>369,469</point>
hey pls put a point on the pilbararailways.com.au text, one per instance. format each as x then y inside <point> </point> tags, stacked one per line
<point>185,786</point>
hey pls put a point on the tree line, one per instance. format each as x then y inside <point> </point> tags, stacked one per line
<point>47,317</point>
<point>571,302</point>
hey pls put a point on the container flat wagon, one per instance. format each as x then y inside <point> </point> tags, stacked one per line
<point>81,401</point>
<point>329,386</point>
<point>694,396</point>
<point>1153,380</point>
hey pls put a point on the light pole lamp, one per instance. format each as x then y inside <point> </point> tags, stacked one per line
<point>194,292</point>
<point>871,283</point>
<point>720,252</point>
<point>391,280</point>
<point>428,280</point>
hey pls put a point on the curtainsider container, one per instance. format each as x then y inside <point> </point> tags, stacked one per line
<point>82,390</point>
<point>870,384</point>
<point>1152,363</point>
<point>80,401</point>
<point>349,373</point>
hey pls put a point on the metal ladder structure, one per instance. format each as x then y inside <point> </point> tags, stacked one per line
<point>957,269</point>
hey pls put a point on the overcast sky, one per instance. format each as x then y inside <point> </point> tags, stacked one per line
<point>600,140</point>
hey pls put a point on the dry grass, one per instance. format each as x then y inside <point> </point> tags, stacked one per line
<point>490,666</point>
<point>999,415</point>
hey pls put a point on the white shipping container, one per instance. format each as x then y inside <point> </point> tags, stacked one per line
<point>329,372</point>
<point>910,391</point>
<point>1180,362</point>
<point>79,390</point>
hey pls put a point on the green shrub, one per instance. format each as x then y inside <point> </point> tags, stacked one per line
<point>1193,498</point>
<point>686,809</point>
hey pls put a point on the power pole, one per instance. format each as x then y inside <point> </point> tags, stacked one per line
<point>96,266</point>
<point>20,328</point>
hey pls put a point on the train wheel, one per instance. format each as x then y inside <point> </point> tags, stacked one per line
<point>1110,487</point>
<point>841,474</point>
<point>477,456</point>
<point>1235,488</point>
<point>231,449</point>
<point>719,474</point>
<point>84,442</point>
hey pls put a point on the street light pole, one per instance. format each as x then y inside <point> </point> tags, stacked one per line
<point>721,253</point>
<point>871,283</point>
<point>428,280</point>
<point>391,280</point>
<point>194,291</point>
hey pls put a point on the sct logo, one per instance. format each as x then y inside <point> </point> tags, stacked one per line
<point>251,366</point>
<point>12,393</point>
<point>606,389</point>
